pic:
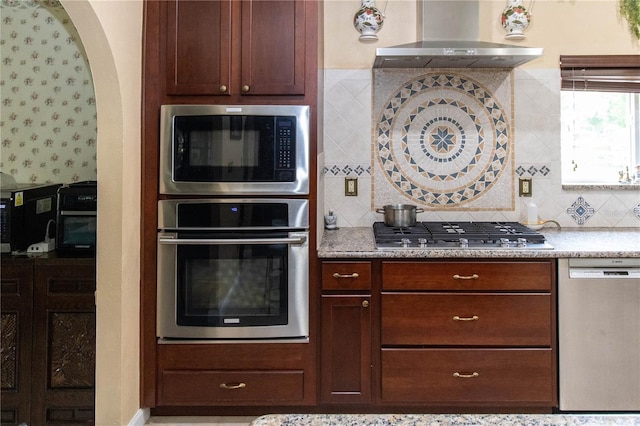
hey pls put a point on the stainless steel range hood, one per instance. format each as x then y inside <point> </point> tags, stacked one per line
<point>449,33</point>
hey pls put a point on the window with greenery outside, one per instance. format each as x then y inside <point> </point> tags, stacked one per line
<point>600,119</point>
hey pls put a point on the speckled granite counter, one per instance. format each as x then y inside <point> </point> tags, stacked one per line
<point>443,420</point>
<point>569,242</point>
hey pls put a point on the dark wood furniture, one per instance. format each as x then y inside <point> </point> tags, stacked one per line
<point>228,52</point>
<point>230,48</point>
<point>454,335</point>
<point>346,333</point>
<point>468,332</point>
<point>48,340</point>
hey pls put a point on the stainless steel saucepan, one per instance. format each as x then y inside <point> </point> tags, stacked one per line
<point>400,215</point>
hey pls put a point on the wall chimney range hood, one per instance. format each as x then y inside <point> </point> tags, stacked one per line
<point>449,33</point>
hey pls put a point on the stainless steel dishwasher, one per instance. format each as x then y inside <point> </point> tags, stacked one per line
<point>599,334</point>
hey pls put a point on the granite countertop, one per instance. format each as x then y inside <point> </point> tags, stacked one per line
<point>567,242</point>
<point>444,420</point>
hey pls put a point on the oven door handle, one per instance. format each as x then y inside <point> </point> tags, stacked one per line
<point>206,241</point>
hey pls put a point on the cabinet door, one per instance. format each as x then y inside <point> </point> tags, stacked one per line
<point>198,47</point>
<point>64,337</point>
<point>17,295</point>
<point>346,349</point>
<point>273,47</point>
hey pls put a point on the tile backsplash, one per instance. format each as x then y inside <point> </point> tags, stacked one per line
<point>48,117</point>
<point>443,140</point>
<point>349,123</point>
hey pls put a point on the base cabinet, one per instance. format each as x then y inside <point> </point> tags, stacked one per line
<point>48,340</point>
<point>246,374</point>
<point>346,361</point>
<point>439,334</point>
<point>346,353</point>
<point>474,333</point>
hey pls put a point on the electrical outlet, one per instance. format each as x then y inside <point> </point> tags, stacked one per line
<point>525,188</point>
<point>350,186</point>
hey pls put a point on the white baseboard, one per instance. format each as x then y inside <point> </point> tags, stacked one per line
<point>140,418</point>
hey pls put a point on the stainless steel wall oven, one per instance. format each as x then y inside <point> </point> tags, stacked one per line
<point>233,269</point>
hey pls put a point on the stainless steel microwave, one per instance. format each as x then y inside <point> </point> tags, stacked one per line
<point>243,149</point>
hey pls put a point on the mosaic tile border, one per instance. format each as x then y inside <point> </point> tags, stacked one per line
<point>581,211</point>
<point>346,170</point>
<point>532,170</point>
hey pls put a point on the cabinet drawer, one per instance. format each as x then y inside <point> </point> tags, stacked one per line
<point>466,276</point>
<point>468,376</point>
<point>197,387</point>
<point>346,275</point>
<point>487,319</point>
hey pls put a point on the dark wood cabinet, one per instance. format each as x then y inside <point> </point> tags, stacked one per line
<point>16,339</point>
<point>198,47</point>
<point>214,375</point>
<point>478,332</point>
<point>229,52</point>
<point>48,370</point>
<point>231,48</point>
<point>346,364</point>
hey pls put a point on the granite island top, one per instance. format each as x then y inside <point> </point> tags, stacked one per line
<point>446,420</point>
<point>568,242</point>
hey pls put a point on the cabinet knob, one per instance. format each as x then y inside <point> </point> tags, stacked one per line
<point>365,303</point>
<point>337,275</point>
<point>223,89</point>
<point>245,89</point>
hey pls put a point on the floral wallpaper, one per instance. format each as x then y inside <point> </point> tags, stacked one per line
<point>48,109</point>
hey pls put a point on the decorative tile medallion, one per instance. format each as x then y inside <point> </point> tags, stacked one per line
<point>580,211</point>
<point>444,140</point>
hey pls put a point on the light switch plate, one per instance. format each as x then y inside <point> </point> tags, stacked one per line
<point>351,186</point>
<point>524,187</point>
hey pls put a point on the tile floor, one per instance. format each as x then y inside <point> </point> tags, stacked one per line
<point>201,420</point>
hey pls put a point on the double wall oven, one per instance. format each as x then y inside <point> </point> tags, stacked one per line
<point>233,225</point>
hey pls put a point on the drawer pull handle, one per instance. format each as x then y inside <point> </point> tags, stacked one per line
<point>365,303</point>
<point>233,385</point>
<point>473,318</point>
<point>466,375</point>
<point>466,277</point>
<point>337,275</point>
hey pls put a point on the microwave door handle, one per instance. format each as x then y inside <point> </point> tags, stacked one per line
<point>205,241</point>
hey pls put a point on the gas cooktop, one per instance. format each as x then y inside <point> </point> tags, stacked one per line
<point>459,235</point>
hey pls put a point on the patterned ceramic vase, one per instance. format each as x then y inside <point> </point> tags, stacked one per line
<point>515,19</point>
<point>368,20</point>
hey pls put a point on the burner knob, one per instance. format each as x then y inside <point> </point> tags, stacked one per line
<point>522,242</point>
<point>464,243</point>
<point>405,242</point>
<point>423,242</point>
<point>504,242</point>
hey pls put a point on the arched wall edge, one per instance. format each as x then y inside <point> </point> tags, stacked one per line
<point>111,33</point>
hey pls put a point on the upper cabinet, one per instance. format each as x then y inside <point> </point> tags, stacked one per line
<point>229,48</point>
